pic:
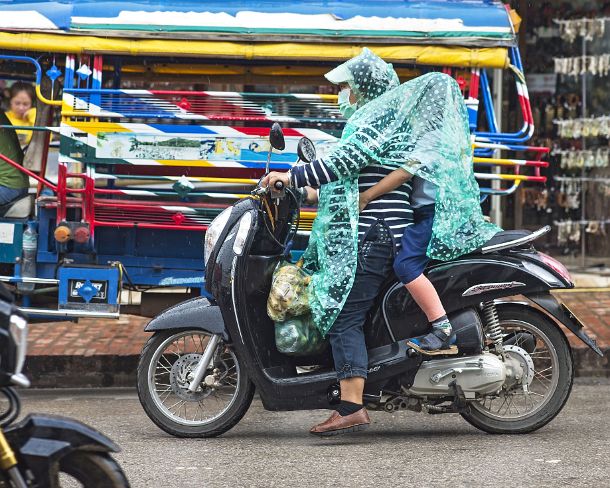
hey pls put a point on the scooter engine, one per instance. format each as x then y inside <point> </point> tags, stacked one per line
<point>481,374</point>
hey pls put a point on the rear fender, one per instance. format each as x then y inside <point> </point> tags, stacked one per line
<point>560,312</point>
<point>196,313</point>
<point>40,441</point>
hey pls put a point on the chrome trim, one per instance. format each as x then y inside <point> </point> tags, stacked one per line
<point>484,287</point>
<point>522,240</point>
<point>20,380</point>
<point>69,313</point>
<point>204,362</point>
<point>12,279</point>
<point>19,332</point>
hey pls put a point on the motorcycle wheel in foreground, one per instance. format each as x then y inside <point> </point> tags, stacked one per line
<point>44,451</point>
<point>513,373</point>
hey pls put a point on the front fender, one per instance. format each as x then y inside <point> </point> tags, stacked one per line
<point>40,441</point>
<point>196,313</point>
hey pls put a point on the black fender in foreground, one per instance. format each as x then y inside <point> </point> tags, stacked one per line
<point>559,312</point>
<point>196,313</point>
<point>40,441</point>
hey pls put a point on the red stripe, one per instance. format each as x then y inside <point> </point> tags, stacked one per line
<point>264,131</point>
<point>474,85</point>
<point>526,110</point>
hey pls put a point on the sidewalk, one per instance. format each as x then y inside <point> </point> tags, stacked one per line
<point>98,352</point>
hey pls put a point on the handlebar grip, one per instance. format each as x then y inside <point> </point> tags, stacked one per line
<point>278,185</point>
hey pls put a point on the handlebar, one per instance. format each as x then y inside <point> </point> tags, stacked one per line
<point>278,186</point>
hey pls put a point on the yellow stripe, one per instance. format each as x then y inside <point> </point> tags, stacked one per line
<point>94,129</point>
<point>514,177</point>
<point>43,99</point>
<point>584,290</point>
<point>502,162</point>
<point>234,70</point>
<point>495,57</point>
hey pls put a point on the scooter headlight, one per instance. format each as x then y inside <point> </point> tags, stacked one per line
<point>214,231</point>
<point>242,233</point>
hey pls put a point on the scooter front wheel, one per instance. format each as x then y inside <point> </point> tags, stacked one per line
<point>165,371</point>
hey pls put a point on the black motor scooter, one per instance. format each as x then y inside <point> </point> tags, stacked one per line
<point>44,451</point>
<point>513,374</point>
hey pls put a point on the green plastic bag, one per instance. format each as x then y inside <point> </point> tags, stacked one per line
<point>299,336</point>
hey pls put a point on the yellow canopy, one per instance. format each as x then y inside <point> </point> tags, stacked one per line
<point>457,56</point>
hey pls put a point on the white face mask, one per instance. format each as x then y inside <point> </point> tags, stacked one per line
<point>346,108</point>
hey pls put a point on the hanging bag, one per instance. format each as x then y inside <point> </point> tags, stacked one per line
<point>288,306</point>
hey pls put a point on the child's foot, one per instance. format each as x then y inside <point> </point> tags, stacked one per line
<point>439,341</point>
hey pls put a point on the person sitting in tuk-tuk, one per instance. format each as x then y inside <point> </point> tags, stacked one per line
<point>21,110</point>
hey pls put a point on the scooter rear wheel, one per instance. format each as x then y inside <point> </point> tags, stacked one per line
<point>166,365</point>
<point>518,412</point>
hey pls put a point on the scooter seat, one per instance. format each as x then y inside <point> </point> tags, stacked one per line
<point>17,209</point>
<point>507,236</point>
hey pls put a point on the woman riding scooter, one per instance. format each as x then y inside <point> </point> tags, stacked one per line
<point>347,294</point>
<point>390,128</point>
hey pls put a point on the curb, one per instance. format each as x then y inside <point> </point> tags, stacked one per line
<point>99,371</point>
<point>104,371</point>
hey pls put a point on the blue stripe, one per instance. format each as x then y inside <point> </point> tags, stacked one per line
<point>473,13</point>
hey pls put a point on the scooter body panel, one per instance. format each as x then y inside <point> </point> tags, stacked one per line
<point>461,284</point>
<point>42,440</point>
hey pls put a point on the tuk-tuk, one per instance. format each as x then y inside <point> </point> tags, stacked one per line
<point>130,164</point>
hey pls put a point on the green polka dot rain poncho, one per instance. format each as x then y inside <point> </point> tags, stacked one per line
<point>420,126</point>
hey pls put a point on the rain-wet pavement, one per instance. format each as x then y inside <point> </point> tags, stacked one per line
<point>270,449</point>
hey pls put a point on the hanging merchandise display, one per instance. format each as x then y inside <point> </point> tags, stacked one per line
<point>569,231</point>
<point>584,127</point>
<point>582,139</point>
<point>569,194</point>
<point>583,158</point>
<point>587,28</point>
<point>597,65</point>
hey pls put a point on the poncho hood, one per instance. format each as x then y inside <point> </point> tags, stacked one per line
<point>367,74</point>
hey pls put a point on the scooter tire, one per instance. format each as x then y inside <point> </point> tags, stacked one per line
<point>92,470</point>
<point>228,420</point>
<point>558,398</point>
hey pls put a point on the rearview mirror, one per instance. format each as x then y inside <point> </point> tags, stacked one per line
<point>306,150</point>
<point>276,137</point>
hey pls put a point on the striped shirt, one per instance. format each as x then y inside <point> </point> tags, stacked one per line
<point>393,207</point>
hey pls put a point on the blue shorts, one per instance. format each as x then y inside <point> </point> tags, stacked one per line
<point>412,258</point>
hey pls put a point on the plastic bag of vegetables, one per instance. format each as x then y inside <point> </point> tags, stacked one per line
<point>288,295</point>
<point>299,336</point>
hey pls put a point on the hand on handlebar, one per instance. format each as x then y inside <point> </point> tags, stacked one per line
<point>275,180</point>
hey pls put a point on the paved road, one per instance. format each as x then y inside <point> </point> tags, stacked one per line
<point>405,449</point>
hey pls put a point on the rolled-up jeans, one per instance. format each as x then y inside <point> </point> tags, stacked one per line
<point>375,258</point>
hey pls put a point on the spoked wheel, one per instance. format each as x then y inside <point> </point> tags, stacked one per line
<point>545,358</point>
<point>167,364</point>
